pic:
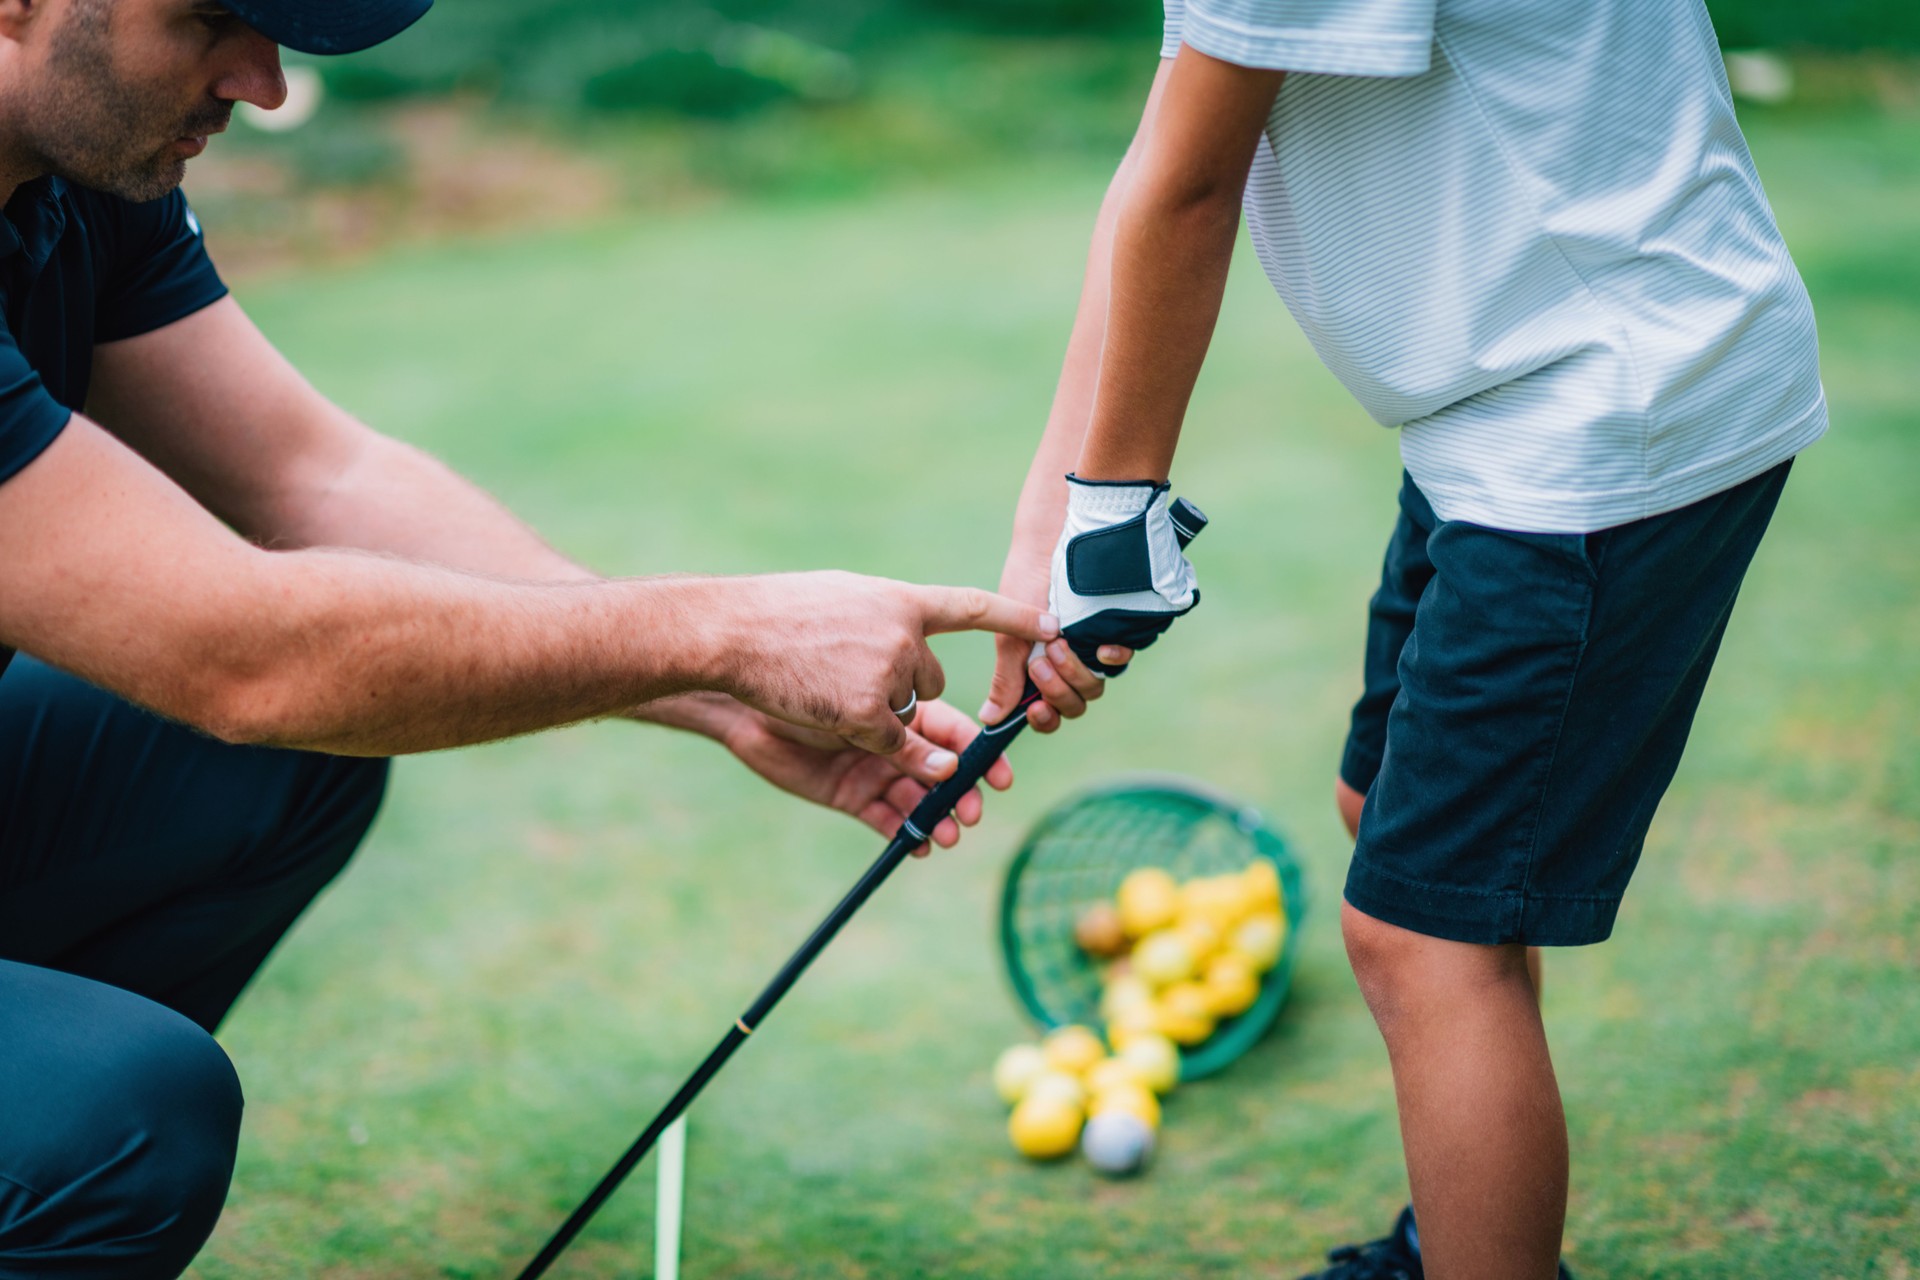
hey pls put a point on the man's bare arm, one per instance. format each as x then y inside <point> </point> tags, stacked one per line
<point>111,571</point>
<point>210,401</point>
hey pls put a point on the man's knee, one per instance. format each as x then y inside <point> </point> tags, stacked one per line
<point>129,1155</point>
<point>188,1104</point>
<point>1402,973</point>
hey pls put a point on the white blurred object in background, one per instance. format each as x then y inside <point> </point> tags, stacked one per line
<point>304,91</point>
<point>1759,76</point>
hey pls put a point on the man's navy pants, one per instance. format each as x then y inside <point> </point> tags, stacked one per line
<point>145,873</point>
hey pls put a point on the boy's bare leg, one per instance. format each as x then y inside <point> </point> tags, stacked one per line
<point>1480,1113</point>
<point>1480,1116</point>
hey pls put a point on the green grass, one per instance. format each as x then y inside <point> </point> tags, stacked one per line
<point>542,937</point>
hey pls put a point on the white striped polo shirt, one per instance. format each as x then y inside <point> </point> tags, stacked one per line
<point>1529,234</point>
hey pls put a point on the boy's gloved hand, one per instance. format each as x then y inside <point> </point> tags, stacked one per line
<point>1119,573</point>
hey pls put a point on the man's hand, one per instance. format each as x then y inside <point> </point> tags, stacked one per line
<point>878,790</point>
<point>842,653</point>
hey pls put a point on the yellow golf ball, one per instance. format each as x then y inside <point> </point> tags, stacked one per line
<point>1163,958</point>
<point>1015,1070</point>
<point>1186,1016</point>
<point>1072,1049</point>
<point>1132,1021</point>
<point>1057,1086</point>
<point>1231,984</point>
<point>1201,936</point>
<point>1259,938</point>
<point>1134,1099</point>
<point>1114,1071</point>
<point>1044,1128</point>
<point>1262,882</point>
<point>1125,992</point>
<point>1156,1058</point>
<point>1148,900</point>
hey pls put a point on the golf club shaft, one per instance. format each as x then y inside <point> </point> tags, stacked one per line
<point>979,756</point>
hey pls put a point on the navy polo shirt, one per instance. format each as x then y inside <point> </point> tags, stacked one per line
<point>78,268</point>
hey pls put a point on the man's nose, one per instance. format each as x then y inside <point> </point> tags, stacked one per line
<point>253,73</point>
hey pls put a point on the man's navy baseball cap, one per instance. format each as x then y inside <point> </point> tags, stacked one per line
<point>328,26</point>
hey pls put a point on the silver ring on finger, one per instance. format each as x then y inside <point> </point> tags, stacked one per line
<point>905,714</point>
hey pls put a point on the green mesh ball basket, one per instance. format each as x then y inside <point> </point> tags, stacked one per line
<point>1077,855</point>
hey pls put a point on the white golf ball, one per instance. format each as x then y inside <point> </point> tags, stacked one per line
<point>1117,1143</point>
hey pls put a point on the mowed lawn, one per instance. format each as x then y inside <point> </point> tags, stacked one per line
<point>542,937</point>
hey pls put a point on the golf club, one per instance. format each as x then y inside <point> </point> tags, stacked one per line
<point>914,832</point>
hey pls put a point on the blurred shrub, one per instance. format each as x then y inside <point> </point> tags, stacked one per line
<point>709,58</point>
<point>1833,24</point>
<point>725,58</point>
<point>1047,15</point>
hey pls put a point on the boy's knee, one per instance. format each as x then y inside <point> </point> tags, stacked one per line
<point>1402,972</point>
<point>131,1153</point>
<point>1379,953</point>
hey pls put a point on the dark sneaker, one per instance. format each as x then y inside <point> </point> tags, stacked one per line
<point>1395,1256</point>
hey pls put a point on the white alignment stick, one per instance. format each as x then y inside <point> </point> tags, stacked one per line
<point>666,1214</point>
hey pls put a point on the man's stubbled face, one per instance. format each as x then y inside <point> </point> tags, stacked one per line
<point>95,122</point>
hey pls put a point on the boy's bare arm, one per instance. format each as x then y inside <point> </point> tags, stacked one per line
<point>1156,272</point>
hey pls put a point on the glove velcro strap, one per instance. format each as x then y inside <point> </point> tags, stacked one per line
<point>1111,562</point>
<point>1131,628</point>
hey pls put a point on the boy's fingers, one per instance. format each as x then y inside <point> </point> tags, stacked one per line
<point>1009,681</point>
<point>1060,695</point>
<point>1083,681</point>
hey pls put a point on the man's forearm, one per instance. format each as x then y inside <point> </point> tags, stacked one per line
<point>112,572</point>
<point>393,498</point>
<point>363,655</point>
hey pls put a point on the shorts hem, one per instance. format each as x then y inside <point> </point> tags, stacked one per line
<point>1485,919</point>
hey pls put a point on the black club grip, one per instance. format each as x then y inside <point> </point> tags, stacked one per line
<point>979,756</point>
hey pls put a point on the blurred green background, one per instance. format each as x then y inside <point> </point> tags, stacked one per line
<point>784,285</point>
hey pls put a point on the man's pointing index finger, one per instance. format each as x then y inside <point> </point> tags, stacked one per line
<point>972,609</point>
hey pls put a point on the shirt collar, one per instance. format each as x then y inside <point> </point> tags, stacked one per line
<point>33,221</point>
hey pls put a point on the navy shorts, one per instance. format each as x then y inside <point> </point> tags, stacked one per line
<point>1527,699</point>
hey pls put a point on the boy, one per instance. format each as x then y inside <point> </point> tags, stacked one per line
<point>1532,238</point>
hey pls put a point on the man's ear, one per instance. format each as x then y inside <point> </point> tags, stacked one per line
<point>17,16</point>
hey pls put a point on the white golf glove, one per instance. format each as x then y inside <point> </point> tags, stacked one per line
<point>1119,572</point>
